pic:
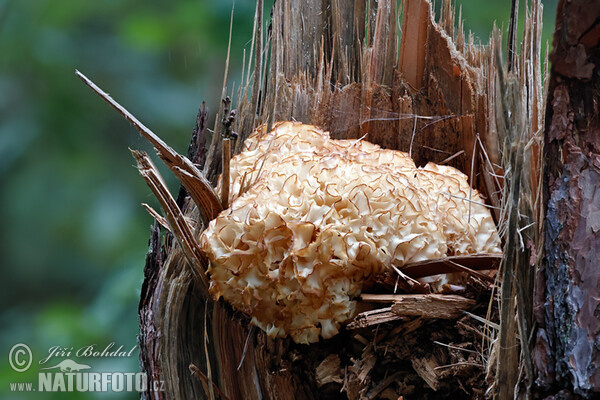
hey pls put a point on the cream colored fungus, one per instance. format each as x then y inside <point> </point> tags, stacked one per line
<point>323,217</point>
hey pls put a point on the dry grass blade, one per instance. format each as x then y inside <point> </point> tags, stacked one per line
<point>405,277</point>
<point>484,321</point>
<point>249,123</point>
<point>452,157</point>
<point>203,195</point>
<point>454,347</point>
<point>213,154</point>
<point>248,337</point>
<point>180,228</point>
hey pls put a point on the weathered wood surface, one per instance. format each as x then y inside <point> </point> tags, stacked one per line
<point>567,352</point>
<point>426,306</point>
<point>323,62</point>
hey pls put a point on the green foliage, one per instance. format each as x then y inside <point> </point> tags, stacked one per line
<point>74,236</point>
<point>480,17</point>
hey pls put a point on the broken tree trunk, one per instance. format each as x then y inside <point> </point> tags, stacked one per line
<point>567,352</point>
<point>338,65</point>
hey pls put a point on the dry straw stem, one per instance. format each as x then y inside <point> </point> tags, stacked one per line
<point>250,110</point>
<point>207,382</point>
<point>213,154</point>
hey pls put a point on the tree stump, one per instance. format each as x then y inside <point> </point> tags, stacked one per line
<point>342,66</point>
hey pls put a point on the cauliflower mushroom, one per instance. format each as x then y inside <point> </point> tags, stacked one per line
<point>320,217</point>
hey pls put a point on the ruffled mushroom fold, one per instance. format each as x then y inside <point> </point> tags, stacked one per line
<point>318,217</point>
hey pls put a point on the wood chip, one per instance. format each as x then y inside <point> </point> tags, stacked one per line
<point>329,371</point>
<point>380,386</point>
<point>373,317</point>
<point>430,306</point>
<point>426,370</point>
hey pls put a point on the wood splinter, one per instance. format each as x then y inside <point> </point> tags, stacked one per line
<point>173,215</point>
<point>191,178</point>
<point>426,306</point>
<point>431,306</point>
<point>228,135</point>
<point>373,317</point>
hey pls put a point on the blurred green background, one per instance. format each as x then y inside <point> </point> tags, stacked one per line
<point>73,235</point>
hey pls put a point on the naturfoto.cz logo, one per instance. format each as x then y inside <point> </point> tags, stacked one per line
<point>69,375</point>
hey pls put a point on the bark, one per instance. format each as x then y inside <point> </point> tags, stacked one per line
<point>567,307</point>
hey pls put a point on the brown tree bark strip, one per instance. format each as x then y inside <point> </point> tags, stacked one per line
<point>201,192</point>
<point>567,304</point>
<point>512,34</point>
<point>148,338</point>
